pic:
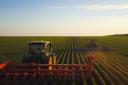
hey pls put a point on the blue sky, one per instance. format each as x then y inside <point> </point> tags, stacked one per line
<point>63,17</point>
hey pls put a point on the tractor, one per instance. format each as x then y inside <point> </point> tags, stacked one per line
<point>92,44</point>
<point>40,61</point>
<point>39,52</point>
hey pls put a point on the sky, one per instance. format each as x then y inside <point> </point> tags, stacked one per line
<point>63,17</point>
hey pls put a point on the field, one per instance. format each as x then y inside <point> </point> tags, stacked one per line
<point>110,68</point>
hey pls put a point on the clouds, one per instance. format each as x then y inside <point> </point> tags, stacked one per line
<point>95,7</point>
<point>105,7</point>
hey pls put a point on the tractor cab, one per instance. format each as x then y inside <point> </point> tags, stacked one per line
<point>38,52</point>
<point>39,47</point>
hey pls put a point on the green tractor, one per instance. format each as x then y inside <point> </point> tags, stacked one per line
<point>39,52</point>
<point>92,44</point>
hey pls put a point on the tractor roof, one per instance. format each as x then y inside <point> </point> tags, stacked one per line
<point>39,42</point>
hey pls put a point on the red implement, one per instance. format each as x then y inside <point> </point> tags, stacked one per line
<point>73,71</point>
